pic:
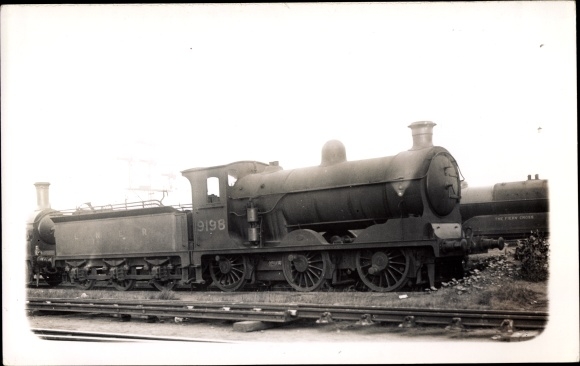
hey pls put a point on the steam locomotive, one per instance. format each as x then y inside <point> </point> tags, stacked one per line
<point>381,223</point>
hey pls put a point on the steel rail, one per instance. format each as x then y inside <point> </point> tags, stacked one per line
<point>283,313</point>
<point>78,336</point>
<point>164,309</point>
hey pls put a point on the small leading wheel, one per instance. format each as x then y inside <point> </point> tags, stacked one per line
<point>383,270</point>
<point>306,271</point>
<point>86,284</point>
<point>124,285</point>
<point>164,285</point>
<point>229,272</point>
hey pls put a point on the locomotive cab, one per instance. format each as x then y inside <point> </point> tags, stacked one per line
<point>211,189</point>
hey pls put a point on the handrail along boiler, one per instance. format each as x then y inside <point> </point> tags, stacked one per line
<point>382,223</point>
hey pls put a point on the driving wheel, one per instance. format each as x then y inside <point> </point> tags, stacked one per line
<point>383,270</point>
<point>229,272</point>
<point>306,271</point>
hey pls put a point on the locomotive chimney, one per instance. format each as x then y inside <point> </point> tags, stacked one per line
<point>42,195</point>
<point>422,132</point>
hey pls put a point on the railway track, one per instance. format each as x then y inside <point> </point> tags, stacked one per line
<point>285,313</point>
<point>77,336</point>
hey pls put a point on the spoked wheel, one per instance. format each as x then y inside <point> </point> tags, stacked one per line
<point>306,271</point>
<point>164,285</point>
<point>86,284</point>
<point>383,270</point>
<point>124,285</point>
<point>52,279</point>
<point>228,272</point>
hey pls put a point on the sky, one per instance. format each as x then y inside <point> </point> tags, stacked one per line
<point>88,88</point>
<point>100,98</point>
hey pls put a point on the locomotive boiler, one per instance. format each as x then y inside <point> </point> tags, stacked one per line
<point>379,224</point>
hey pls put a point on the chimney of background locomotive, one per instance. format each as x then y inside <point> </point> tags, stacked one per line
<point>422,132</point>
<point>42,195</point>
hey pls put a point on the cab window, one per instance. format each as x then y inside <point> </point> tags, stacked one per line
<point>232,177</point>
<point>213,190</point>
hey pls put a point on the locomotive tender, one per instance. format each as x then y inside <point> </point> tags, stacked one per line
<point>509,210</point>
<point>385,223</point>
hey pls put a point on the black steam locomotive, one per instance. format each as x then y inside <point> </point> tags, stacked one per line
<point>382,223</point>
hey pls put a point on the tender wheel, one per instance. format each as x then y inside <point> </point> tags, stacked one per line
<point>86,284</point>
<point>52,279</point>
<point>306,271</point>
<point>165,285</point>
<point>228,272</point>
<point>383,270</point>
<point>124,285</point>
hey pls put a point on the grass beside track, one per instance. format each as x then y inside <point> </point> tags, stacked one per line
<point>516,295</point>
